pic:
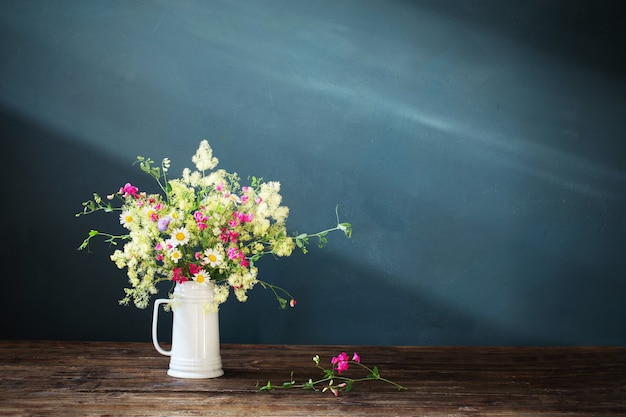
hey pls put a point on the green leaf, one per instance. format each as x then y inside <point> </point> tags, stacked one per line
<point>348,386</point>
<point>346,228</point>
<point>375,374</point>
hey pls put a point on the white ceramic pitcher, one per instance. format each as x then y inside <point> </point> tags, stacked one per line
<point>195,349</point>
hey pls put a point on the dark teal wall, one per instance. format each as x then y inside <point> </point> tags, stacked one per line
<point>477,147</point>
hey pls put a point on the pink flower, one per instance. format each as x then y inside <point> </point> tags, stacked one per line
<point>194,269</point>
<point>340,361</point>
<point>129,189</point>
<point>245,218</point>
<point>292,303</point>
<point>178,275</point>
<point>220,186</point>
<point>233,253</point>
<point>356,358</point>
<point>232,236</point>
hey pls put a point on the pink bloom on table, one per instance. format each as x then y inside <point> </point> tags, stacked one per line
<point>356,358</point>
<point>340,361</point>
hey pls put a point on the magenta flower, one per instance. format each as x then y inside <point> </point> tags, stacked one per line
<point>233,253</point>
<point>129,189</point>
<point>178,276</point>
<point>194,269</point>
<point>340,361</point>
<point>356,358</point>
<point>245,218</point>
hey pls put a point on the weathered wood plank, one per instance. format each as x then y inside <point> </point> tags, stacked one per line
<point>93,378</point>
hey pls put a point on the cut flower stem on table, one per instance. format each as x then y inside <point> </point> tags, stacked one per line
<point>333,379</point>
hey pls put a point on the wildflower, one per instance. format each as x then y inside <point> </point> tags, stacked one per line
<point>340,361</point>
<point>126,219</point>
<point>201,276</point>
<point>163,223</point>
<point>194,269</point>
<point>204,158</point>
<point>128,190</point>
<point>292,303</point>
<point>177,275</point>
<point>356,358</point>
<point>180,236</point>
<point>212,257</point>
<point>176,255</point>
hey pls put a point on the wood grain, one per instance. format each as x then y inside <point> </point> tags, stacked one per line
<point>95,378</point>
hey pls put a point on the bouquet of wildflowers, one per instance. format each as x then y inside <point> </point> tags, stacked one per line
<point>205,227</point>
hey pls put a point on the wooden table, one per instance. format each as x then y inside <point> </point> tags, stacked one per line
<point>95,378</point>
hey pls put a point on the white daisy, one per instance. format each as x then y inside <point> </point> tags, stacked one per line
<point>180,236</point>
<point>176,255</point>
<point>126,219</point>
<point>202,276</point>
<point>212,257</point>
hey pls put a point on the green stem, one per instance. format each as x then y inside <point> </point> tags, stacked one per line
<point>376,375</point>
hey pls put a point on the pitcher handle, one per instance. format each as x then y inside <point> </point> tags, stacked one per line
<point>155,318</point>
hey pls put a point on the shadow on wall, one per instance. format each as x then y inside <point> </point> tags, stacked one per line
<point>54,291</point>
